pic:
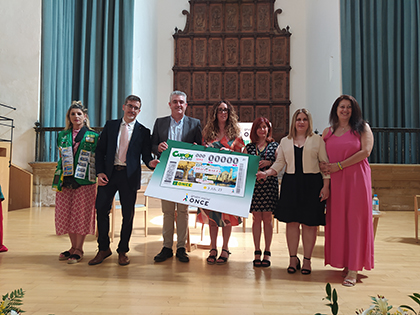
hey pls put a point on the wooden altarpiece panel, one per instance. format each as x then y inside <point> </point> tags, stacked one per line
<point>235,50</point>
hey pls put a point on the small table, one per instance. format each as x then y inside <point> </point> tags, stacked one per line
<point>376,215</point>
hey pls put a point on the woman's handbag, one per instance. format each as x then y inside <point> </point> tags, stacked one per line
<point>70,182</point>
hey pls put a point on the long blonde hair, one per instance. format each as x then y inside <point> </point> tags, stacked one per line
<point>211,130</point>
<point>77,105</point>
<point>292,131</point>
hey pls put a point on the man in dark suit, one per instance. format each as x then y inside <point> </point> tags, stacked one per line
<point>121,146</point>
<point>177,127</point>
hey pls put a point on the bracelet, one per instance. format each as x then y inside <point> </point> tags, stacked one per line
<point>265,174</point>
<point>339,166</point>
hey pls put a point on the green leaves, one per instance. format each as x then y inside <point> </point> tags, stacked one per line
<point>328,290</point>
<point>416,298</point>
<point>333,298</point>
<point>11,302</point>
<point>380,304</point>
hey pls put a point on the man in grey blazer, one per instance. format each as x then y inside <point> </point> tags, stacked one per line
<point>177,127</point>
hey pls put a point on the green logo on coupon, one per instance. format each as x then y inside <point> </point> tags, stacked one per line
<point>183,156</point>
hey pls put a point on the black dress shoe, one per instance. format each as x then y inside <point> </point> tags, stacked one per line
<point>164,254</point>
<point>182,255</point>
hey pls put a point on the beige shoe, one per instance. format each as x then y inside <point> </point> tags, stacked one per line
<point>351,279</point>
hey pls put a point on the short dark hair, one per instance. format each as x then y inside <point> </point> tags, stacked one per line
<point>132,98</point>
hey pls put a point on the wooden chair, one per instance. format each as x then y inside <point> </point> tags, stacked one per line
<point>142,205</point>
<point>244,224</point>
<point>189,246</point>
<point>416,216</point>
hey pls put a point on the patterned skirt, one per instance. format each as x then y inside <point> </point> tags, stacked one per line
<point>75,210</point>
<point>221,219</point>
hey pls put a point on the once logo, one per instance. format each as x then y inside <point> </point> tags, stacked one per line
<point>198,201</point>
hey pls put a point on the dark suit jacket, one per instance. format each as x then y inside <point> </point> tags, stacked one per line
<point>138,148</point>
<point>191,131</point>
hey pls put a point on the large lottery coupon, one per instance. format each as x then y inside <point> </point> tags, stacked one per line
<point>208,178</point>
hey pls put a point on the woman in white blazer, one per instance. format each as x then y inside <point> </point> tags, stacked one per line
<point>304,188</point>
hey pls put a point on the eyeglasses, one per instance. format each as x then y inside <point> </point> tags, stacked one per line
<point>223,110</point>
<point>136,108</point>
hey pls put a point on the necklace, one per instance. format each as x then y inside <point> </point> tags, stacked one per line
<point>260,151</point>
<point>262,147</point>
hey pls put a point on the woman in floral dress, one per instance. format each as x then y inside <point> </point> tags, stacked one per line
<point>221,131</point>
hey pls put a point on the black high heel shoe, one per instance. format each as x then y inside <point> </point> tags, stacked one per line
<point>306,271</point>
<point>291,269</point>
<point>257,262</point>
<point>266,262</point>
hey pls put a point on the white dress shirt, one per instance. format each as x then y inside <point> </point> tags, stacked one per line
<point>130,132</point>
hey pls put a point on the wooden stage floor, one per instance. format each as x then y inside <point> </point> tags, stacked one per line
<point>171,287</point>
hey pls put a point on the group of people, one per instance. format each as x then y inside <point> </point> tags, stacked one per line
<point>326,182</point>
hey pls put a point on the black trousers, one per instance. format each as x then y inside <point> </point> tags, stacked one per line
<point>117,182</point>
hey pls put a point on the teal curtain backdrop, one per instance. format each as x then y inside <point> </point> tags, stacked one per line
<point>380,63</point>
<point>87,55</point>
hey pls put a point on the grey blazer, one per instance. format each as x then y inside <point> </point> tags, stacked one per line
<point>191,131</point>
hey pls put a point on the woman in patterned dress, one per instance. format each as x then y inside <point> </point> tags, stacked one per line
<point>266,192</point>
<point>303,188</point>
<point>75,182</point>
<point>221,131</point>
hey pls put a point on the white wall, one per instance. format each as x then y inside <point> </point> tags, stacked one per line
<point>294,15</point>
<point>145,61</point>
<point>323,58</point>
<point>20,40</point>
<point>315,78</point>
<point>169,16</point>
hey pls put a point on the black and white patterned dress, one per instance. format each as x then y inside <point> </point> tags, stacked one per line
<point>266,192</point>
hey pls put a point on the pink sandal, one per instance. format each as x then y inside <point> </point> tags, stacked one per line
<point>351,279</point>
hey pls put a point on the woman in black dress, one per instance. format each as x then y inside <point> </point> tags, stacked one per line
<point>303,189</point>
<point>266,192</point>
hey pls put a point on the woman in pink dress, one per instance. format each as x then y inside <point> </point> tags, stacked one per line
<point>222,132</point>
<point>349,230</point>
<point>75,182</point>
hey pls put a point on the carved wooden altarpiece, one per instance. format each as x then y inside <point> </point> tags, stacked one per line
<point>235,50</point>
